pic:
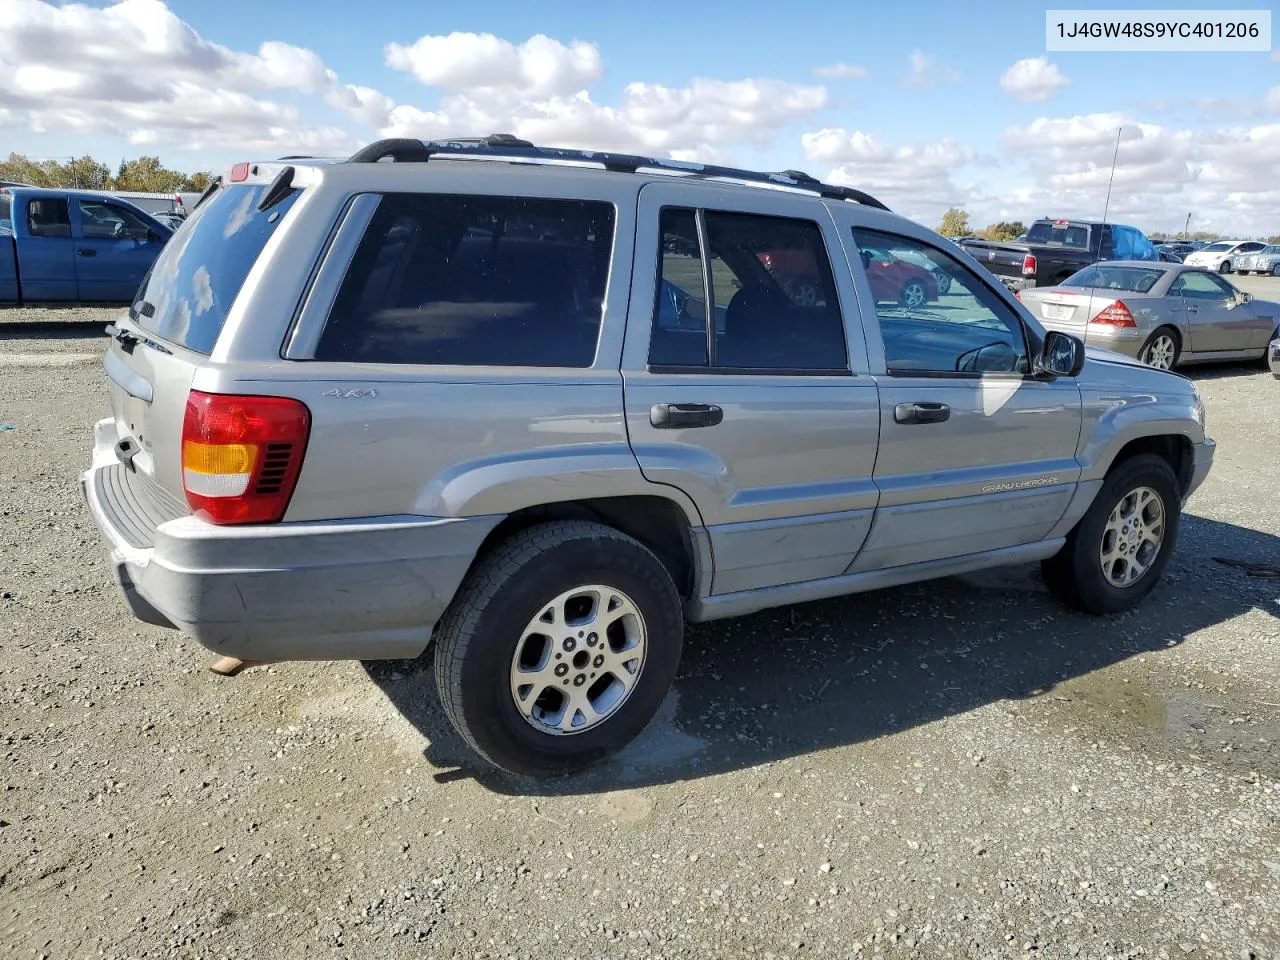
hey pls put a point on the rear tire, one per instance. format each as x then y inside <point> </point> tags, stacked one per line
<point>1161,349</point>
<point>1082,576</point>
<point>513,692</point>
<point>913,294</point>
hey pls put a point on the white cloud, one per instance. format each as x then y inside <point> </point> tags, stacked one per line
<point>844,71</point>
<point>1033,79</point>
<point>1223,176</point>
<point>925,71</point>
<point>914,179</point>
<point>76,69</point>
<point>539,67</point>
<point>649,118</point>
<point>137,71</point>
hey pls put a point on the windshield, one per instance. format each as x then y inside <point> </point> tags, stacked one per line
<point>1216,247</point>
<point>187,294</point>
<point>1103,277</point>
<point>1271,248</point>
<point>1066,234</point>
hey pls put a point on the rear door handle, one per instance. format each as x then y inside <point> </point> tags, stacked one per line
<point>680,416</point>
<point>921,413</point>
<point>87,252</point>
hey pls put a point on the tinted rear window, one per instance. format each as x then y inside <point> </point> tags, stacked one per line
<point>1132,279</point>
<point>474,280</point>
<point>1066,235</point>
<point>6,213</point>
<point>186,295</point>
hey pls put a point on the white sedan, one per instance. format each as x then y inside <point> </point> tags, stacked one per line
<point>1218,256</point>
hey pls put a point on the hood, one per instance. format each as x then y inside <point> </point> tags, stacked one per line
<point>1105,369</point>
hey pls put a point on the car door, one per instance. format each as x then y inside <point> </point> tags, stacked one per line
<point>46,261</point>
<point>975,454</point>
<point>1215,321</point>
<point>113,248</point>
<point>752,400</point>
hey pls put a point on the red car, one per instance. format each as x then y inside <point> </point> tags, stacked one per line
<point>891,277</point>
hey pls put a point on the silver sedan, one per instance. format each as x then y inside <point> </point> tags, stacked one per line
<point>1164,314</point>
<point>1266,260</point>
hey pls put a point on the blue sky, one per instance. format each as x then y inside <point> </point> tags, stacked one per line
<point>189,81</point>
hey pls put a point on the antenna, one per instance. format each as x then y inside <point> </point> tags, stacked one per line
<point>1107,205</point>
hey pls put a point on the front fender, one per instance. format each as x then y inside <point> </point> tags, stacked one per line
<point>1113,419</point>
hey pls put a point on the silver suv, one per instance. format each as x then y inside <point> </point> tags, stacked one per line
<point>541,407</point>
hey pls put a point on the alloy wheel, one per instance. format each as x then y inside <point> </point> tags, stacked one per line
<point>1132,538</point>
<point>578,659</point>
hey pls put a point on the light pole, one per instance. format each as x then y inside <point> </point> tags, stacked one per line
<point>1186,228</point>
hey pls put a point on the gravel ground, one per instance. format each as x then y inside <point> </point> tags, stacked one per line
<point>961,768</point>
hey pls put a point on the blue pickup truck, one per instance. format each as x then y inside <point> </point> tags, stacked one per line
<point>69,246</point>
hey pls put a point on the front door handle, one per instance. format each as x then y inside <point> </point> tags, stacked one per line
<point>1191,309</point>
<point>87,252</point>
<point>921,413</point>
<point>680,416</point>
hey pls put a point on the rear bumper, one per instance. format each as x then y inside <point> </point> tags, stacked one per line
<point>352,589</point>
<point>1201,462</point>
<point>1125,340</point>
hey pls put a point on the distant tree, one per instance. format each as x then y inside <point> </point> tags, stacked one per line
<point>197,182</point>
<point>144,175</point>
<point>1005,230</point>
<point>1275,239</point>
<point>955,223</point>
<point>1204,235</point>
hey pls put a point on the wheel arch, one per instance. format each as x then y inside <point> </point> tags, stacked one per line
<point>658,522</point>
<point>1174,449</point>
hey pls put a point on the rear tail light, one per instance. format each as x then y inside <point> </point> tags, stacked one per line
<point>1116,315</point>
<point>1018,295</point>
<point>1028,266</point>
<point>241,455</point>
<point>239,172</point>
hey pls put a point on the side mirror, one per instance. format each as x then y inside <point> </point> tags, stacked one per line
<point>1061,356</point>
<point>1243,296</point>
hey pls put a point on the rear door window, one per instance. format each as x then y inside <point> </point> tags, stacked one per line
<point>475,281</point>
<point>187,294</point>
<point>6,214</point>
<point>773,301</point>
<point>48,217</point>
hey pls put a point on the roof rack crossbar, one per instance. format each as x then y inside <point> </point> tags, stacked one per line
<point>500,146</point>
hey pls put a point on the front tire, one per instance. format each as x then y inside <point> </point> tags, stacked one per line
<point>559,648</point>
<point>1224,266</point>
<point>1118,551</point>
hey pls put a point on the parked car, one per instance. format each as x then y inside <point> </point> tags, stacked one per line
<point>1218,256</point>
<point>1168,256</point>
<point>1176,247</point>
<point>1055,249</point>
<point>1266,260</point>
<point>442,402</point>
<point>170,220</point>
<point>1273,357</point>
<point>62,245</point>
<point>1164,315</point>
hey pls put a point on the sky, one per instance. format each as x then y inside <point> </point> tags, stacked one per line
<point>925,104</point>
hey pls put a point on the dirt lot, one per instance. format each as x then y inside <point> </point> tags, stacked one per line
<point>961,768</point>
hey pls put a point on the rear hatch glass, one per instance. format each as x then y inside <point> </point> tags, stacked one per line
<point>186,296</point>
<point>181,307</point>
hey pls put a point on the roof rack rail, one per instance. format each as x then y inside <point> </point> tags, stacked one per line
<point>503,146</point>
